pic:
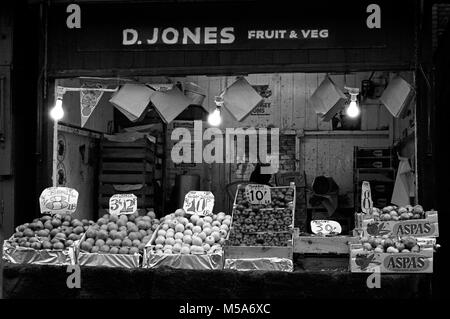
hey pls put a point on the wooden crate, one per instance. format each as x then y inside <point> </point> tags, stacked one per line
<point>369,261</point>
<point>427,227</point>
<point>323,245</point>
<point>243,252</point>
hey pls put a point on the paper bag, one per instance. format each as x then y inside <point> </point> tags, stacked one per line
<point>241,98</point>
<point>169,104</point>
<point>132,100</point>
<point>328,99</point>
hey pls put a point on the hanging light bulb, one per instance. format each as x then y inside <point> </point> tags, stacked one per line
<point>353,109</point>
<point>214,118</point>
<point>57,112</point>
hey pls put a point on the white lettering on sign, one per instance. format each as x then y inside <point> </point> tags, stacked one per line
<point>325,227</point>
<point>199,203</point>
<point>374,19</point>
<point>74,19</point>
<point>185,35</point>
<point>258,194</point>
<point>123,204</point>
<point>58,200</point>
<point>288,34</point>
<point>366,198</point>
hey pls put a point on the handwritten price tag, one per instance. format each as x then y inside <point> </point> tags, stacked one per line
<point>325,227</point>
<point>366,198</point>
<point>199,203</point>
<point>258,194</point>
<point>123,204</point>
<point>58,200</point>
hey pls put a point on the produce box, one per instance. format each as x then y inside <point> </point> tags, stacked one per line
<point>117,240</point>
<point>417,259</point>
<point>48,240</point>
<point>423,224</point>
<point>188,242</point>
<point>261,235</point>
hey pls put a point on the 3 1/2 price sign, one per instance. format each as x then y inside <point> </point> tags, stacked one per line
<point>123,204</point>
<point>325,227</point>
<point>199,202</point>
<point>58,200</point>
<point>258,194</point>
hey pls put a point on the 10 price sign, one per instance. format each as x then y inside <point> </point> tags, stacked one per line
<point>123,204</point>
<point>199,202</point>
<point>258,194</point>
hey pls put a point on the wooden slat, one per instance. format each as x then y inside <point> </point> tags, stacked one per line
<point>119,153</point>
<point>125,178</point>
<point>136,144</point>
<point>323,245</point>
<point>125,166</point>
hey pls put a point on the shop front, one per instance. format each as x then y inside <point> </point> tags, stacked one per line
<point>288,142</point>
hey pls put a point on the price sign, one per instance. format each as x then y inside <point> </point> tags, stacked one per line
<point>58,200</point>
<point>366,198</point>
<point>325,227</point>
<point>258,194</point>
<point>199,203</point>
<point>123,204</point>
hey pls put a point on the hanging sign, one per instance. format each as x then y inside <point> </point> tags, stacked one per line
<point>258,194</point>
<point>366,198</point>
<point>199,203</point>
<point>58,200</point>
<point>123,204</point>
<point>325,227</point>
<point>89,100</point>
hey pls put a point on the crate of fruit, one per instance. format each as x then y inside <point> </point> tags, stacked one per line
<point>186,241</point>
<point>393,255</point>
<point>401,221</point>
<point>117,240</point>
<point>261,235</point>
<point>48,240</point>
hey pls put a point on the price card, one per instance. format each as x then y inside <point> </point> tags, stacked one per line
<point>199,203</point>
<point>258,194</point>
<point>58,200</point>
<point>366,198</point>
<point>123,204</point>
<point>325,227</point>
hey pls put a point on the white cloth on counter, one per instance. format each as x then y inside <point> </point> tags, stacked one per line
<point>404,187</point>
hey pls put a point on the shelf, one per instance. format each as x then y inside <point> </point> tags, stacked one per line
<point>351,133</point>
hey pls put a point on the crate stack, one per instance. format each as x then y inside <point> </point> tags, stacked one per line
<point>127,167</point>
<point>377,166</point>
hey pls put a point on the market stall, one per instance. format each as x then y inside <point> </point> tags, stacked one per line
<point>234,180</point>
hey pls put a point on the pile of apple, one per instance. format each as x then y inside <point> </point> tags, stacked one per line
<point>275,216</point>
<point>395,213</point>
<point>260,239</point>
<point>120,234</point>
<point>55,232</point>
<point>180,233</point>
<point>390,245</point>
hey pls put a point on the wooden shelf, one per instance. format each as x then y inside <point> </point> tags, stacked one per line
<point>344,133</point>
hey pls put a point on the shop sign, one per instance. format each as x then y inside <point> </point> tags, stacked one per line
<point>199,203</point>
<point>325,227</point>
<point>258,194</point>
<point>58,200</point>
<point>162,27</point>
<point>123,204</point>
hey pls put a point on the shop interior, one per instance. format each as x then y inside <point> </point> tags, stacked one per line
<point>328,154</point>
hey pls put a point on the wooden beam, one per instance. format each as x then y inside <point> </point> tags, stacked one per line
<point>344,133</point>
